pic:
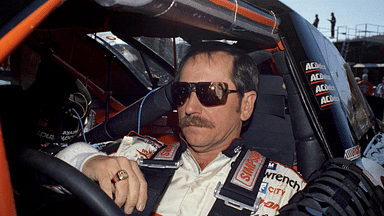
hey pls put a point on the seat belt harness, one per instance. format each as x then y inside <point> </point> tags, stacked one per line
<point>158,172</point>
<point>167,157</point>
<point>238,195</point>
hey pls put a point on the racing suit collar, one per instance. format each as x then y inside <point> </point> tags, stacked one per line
<point>230,151</point>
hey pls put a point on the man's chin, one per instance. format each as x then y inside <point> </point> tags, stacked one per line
<point>194,133</point>
<point>197,145</point>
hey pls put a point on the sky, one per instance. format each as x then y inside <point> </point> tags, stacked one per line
<point>348,13</point>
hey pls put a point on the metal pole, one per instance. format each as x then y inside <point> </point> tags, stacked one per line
<point>108,91</point>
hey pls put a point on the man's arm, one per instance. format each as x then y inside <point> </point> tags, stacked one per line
<point>130,192</point>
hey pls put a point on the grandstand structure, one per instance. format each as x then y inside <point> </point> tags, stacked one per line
<point>362,47</point>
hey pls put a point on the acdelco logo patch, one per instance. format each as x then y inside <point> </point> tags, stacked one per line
<point>249,169</point>
<point>167,153</point>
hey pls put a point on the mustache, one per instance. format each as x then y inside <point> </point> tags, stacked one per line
<point>195,121</point>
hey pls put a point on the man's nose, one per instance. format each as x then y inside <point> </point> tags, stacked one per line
<point>193,105</point>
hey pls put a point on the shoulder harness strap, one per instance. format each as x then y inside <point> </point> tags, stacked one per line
<point>238,195</point>
<point>158,172</point>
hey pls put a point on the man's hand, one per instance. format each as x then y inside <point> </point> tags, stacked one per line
<point>130,192</point>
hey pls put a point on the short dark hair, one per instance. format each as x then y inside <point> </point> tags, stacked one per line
<point>245,75</point>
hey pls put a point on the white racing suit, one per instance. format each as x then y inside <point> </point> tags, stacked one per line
<point>191,190</point>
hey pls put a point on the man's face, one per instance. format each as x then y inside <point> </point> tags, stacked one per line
<point>216,126</point>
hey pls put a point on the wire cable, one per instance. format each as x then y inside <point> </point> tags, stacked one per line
<point>81,124</point>
<point>140,110</point>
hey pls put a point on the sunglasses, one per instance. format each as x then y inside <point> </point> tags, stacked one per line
<point>208,93</point>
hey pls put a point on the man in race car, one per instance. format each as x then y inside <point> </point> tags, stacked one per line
<point>215,92</point>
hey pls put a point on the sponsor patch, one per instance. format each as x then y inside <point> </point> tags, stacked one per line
<point>249,169</point>
<point>263,187</point>
<point>290,180</point>
<point>272,166</point>
<point>65,135</point>
<point>134,147</point>
<point>167,153</point>
<point>352,153</point>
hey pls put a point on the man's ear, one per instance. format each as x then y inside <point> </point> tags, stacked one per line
<point>247,105</point>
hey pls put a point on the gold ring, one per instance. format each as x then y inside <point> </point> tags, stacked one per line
<point>120,175</point>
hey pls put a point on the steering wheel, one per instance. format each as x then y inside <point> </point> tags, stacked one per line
<point>71,179</point>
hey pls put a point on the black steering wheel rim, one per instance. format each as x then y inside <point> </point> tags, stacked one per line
<point>83,188</point>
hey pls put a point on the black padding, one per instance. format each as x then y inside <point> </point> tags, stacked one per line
<point>340,187</point>
<point>309,151</point>
<point>157,104</point>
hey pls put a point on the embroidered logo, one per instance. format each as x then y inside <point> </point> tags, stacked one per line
<point>272,166</point>
<point>352,153</point>
<point>249,169</point>
<point>263,187</point>
<point>144,153</point>
<point>167,153</point>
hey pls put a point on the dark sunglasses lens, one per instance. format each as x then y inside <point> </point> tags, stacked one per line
<point>212,94</point>
<point>180,92</point>
<point>209,93</point>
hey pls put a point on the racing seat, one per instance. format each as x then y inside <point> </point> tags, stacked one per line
<point>270,129</point>
<point>270,125</point>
